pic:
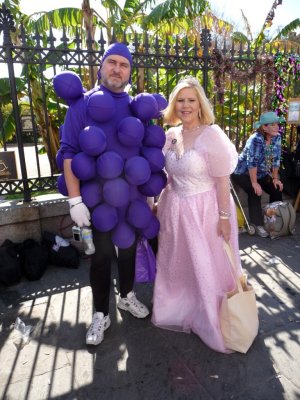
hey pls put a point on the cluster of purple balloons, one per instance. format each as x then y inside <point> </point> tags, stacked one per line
<point>112,186</point>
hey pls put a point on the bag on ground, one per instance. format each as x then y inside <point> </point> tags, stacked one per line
<point>33,259</point>
<point>10,269</point>
<point>61,252</point>
<point>238,312</point>
<point>240,218</point>
<point>145,262</point>
<point>279,219</point>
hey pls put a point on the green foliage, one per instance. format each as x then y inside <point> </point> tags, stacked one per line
<point>8,128</point>
<point>5,91</point>
<point>174,16</point>
<point>8,124</point>
<point>57,19</point>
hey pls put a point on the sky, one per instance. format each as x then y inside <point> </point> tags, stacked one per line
<point>230,10</point>
<point>255,10</point>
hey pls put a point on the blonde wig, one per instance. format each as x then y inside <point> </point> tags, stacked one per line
<point>206,114</point>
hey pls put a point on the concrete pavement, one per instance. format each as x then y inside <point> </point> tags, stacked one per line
<point>137,361</point>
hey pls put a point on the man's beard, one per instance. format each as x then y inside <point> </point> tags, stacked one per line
<point>112,84</point>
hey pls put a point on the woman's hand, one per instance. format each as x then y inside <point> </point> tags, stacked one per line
<point>257,189</point>
<point>278,184</point>
<point>224,229</point>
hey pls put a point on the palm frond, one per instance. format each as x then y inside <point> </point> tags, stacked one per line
<point>292,26</point>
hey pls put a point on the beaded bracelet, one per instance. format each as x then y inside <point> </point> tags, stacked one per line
<point>224,214</point>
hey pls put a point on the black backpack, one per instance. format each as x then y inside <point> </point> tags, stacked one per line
<point>33,259</point>
<point>61,252</point>
<point>10,269</point>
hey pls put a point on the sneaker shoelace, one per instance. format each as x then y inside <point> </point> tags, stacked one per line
<point>133,300</point>
<point>96,325</point>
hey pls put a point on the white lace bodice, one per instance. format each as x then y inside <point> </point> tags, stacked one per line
<point>193,165</point>
<point>189,174</point>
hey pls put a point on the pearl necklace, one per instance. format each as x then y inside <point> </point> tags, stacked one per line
<point>190,130</point>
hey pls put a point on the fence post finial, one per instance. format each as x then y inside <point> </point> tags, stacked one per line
<point>7,24</point>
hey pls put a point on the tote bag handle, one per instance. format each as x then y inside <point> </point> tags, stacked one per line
<point>229,252</point>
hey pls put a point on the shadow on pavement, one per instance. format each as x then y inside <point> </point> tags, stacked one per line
<point>137,361</point>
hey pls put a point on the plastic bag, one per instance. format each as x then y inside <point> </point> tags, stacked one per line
<point>145,262</point>
<point>24,330</point>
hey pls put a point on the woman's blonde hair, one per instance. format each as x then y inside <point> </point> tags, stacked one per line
<point>206,115</point>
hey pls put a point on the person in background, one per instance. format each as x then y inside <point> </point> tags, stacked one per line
<point>258,167</point>
<point>197,214</point>
<point>115,74</point>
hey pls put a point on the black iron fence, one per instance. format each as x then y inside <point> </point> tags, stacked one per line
<point>240,82</point>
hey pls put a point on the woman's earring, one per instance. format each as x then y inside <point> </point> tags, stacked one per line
<point>199,114</point>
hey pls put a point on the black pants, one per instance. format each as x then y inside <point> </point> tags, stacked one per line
<point>100,272</point>
<point>254,201</point>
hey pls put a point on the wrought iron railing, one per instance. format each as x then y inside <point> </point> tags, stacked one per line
<point>236,79</point>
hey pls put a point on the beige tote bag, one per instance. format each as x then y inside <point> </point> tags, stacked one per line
<point>238,313</point>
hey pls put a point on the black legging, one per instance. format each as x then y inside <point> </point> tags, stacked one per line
<point>100,272</point>
<point>254,201</point>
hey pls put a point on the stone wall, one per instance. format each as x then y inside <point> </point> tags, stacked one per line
<point>20,221</point>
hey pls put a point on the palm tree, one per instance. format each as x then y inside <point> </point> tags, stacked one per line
<point>286,37</point>
<point>185,18</point>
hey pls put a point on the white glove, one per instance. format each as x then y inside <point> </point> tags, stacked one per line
<point>79,212</point>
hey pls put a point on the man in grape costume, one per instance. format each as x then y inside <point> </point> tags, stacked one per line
<point>112,161</point>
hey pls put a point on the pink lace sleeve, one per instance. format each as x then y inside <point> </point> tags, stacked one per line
<point>221,154</point>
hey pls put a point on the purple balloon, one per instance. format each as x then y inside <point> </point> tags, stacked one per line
<point>137,170</point>
<point>144,106</point>
<point>91,193</point>
<point>110,165</point>
<point>162,104</point>
<point>134,193</point>
<point>61,185</point>
<point>155,157</point>
<point>123,235</point>
<point>84,166</point>
<point>92,140</point>
<point>60,160</point>
<point>152,229</point>
<point>104,217</point>
<point>68,85</point>
<point>131,131</point>
<point>139,214</point>
<point>101,106</point>
<point>154,136</point>
<point>116,192</point>
<point>154,185</point>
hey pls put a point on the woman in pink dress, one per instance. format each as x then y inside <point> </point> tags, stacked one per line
<point>196,213</point>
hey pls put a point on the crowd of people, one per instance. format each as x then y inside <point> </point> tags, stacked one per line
<point>195,210</point>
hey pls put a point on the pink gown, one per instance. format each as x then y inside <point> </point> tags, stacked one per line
<point>193,271</point>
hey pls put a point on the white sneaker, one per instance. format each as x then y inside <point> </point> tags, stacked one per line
<point>95,333</point>
<point>260,231</point>
<point>133,305</point>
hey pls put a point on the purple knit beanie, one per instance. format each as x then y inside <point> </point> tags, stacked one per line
<point>118,49</point>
